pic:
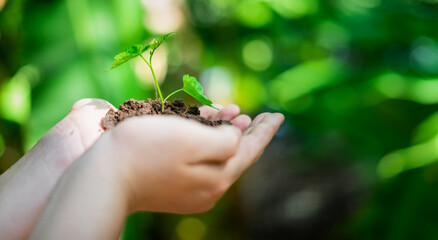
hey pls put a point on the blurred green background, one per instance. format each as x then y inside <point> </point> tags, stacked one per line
<point>357,80</point>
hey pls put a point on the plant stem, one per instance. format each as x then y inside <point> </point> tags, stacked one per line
<point>157,87</point>
<point>179,90</point>
<point>150,56</point>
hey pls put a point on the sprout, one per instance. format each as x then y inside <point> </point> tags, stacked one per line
<point>190,84</point>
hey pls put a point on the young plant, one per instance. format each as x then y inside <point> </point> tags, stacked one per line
<point>190,85</point>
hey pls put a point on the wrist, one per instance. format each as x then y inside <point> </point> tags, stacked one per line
<point>90,191</point>
<point>106,165</point>
<point>121,146</point>
<point>108,159</point>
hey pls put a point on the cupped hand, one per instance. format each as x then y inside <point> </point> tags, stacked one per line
<point>230,113</point>
<point>153,163</point>
<point>73,135</point>
<point>176,165</point>
<point>26,186</point>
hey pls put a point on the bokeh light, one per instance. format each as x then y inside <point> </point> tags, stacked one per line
<point>163,16</point>
<point>2,4</point>
<point>357,7</point>
<point>254,14</point>
<point>191,229</point>
<point>303,79</point>
<point>159,64</point>
<point>257,54</point>
<point>15,98</point>
<point>218,84</point>
<point>303,204</point>
<point>424,56</point>
<point>294,8</point>
<point>408,158</point>
<point>246,85</point>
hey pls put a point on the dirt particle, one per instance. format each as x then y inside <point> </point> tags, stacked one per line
<point>134,108</point>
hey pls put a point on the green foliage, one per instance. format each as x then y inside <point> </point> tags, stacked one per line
<point>155,43</point>
<point>191,84</point>
<point>145,48</point>
<point>136,50</point>
<point>194,89</point>
<point>129,53</point>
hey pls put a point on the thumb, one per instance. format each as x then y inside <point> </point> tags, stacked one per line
<point>84,119</point>
<point>70,137</point>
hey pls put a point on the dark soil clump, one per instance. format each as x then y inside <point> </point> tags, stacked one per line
<point>134,108</point>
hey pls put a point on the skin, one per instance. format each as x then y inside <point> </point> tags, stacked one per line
<point>75,177</point>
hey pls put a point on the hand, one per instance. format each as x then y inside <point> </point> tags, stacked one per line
<point>230,113</point>
<point>128,169</point>
<point>25,187</point>
<point>180,166</point>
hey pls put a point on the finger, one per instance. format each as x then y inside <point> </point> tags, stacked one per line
<point>199,142</point>
<point>84,119</point>
<point>242,122</point>
<point>207,112</point>
<point>83,122</point>
<point>91,103</point>
<point>227,113</point>
<point>214,144</point>
<point>254,122</point>
<point>259,117</point>
<point>70,137</point>
<point>253,144</point>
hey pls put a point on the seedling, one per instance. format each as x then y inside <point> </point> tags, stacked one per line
<point>190,85</point>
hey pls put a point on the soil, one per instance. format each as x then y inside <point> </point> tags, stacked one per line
<point>134,108</point>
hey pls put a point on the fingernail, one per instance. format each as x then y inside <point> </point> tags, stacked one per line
<point>80,104</point>
<point>279,116</point>
<point>259,118</point>
<point>234,106</point>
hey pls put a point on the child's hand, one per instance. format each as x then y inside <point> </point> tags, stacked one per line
<point>172,164</point>
<point>151,163</point>
<point>176,165</point>
<point>25,187</point>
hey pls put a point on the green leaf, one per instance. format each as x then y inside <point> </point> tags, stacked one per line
<point>147,47</point>
<point>194,89</point>
<point>155,43</point>
<point>128,54</point>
